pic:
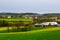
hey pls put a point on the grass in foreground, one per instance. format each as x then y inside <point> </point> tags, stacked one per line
<point>37,35</point>
<point>47,35</point>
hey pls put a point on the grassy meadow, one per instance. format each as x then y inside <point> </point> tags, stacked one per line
<point>43,34</point>
<point>16,19</point>
<point>36,33</point>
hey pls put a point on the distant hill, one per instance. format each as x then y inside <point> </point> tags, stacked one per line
<point>34,14</point>
<point>28,13</point>
<point>51,14</point>
<point>20,14</point>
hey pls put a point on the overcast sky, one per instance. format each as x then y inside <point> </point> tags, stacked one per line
<point>41,6</point>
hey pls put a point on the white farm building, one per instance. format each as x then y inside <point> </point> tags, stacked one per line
<point>47,23</point>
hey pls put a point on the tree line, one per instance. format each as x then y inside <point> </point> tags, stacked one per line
<point>16,26</point>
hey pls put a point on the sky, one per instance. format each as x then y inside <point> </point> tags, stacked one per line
<point>38,6</point>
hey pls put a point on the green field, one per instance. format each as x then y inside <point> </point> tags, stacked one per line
<point>43,34</point>
<point>35,34</point>
<point>16,19</point>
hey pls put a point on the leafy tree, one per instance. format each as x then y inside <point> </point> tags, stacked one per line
<point>17,25</point>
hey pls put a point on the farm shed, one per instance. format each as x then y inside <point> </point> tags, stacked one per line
<point>46,24</point>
